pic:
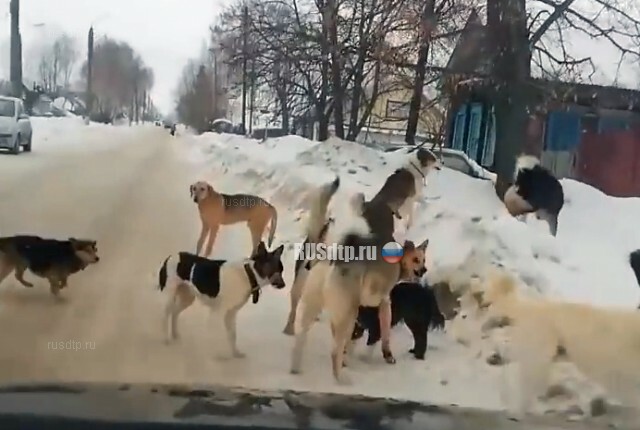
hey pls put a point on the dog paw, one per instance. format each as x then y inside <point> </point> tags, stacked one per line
<point>295,371</point>
<point>238,354</point>
<point>288,330</point>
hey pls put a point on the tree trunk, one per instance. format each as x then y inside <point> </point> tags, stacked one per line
<point>321,105</point>
<point>331,22</point>
<point>507,23</point>
<point>427,25</point>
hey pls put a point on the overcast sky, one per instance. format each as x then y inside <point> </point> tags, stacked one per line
<point>165,32</point>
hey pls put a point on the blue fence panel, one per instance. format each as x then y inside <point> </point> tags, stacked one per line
<point>475,122</point>
<point>563,131</point>
<point>459,128</point>
<point>489,140</point>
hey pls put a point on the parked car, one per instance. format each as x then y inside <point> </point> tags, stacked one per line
<point>457,160</point>
<point>15,125</point>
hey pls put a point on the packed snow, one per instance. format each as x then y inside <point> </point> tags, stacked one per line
<point>465,222</point>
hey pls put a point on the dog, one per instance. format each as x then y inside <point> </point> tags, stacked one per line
<point>218,209</point>
<point>535,189</point>
<point>411,303</point>
<point>54,260</point>
<point>341,290</point>
<point>401,190</point>
<point>604,344</point>
<point>219,284</point>
<point>316,232</point>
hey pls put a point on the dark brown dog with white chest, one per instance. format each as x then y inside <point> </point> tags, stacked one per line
<point>52,259</point>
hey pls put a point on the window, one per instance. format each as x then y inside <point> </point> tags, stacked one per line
<point>20,109</point>
<point>397,110</point>
<point>7,108</point>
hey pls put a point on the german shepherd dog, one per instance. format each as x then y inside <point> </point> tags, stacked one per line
<point>54,260</point>
<point>222,285</point>
<point>535,189</point>
<point>412,303</point>
<point>341,291</point>
<point>218,209</point>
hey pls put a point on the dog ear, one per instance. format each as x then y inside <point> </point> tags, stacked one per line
<point>210,189</point>
<point>278,252</point>
<point>424,244</point>
<point>192,188</point>
<point>409,245</point>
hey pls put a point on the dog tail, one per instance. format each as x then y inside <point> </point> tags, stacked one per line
<point>634,261</point>
<point>273,225</point>
<point>162,275</point>
<point>525,162</point>
<point>318,213</point>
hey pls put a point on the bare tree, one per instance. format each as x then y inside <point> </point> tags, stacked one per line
<point>196,96</point>
<point>56,63</point>
<point>119,79</point>
<point>533,33</point>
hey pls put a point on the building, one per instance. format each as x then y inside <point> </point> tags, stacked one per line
<point>587,132</point>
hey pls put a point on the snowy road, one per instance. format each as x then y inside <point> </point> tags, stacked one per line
<point>128,189</point>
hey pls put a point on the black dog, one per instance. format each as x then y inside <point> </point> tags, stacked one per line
<point>535,190</point>
<point>412,303</point>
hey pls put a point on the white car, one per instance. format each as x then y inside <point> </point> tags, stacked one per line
<point>15,125</point>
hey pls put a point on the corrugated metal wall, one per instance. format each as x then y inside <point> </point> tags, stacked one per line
<point>610,162</point>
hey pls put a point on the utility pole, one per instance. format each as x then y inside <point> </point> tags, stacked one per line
<point>245,25</point>
<point>16,50</point>
<point>89,100</point>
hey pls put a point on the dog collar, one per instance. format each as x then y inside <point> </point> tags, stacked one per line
<point>253,283</point>
<point>424,178</point>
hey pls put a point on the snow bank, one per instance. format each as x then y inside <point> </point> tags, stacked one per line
<point>587,261</point>
<point>462,216</point>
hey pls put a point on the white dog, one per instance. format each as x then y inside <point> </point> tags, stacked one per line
<point>604,344</point>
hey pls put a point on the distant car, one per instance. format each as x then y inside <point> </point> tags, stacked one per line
<point>221,125</point>
<point>15,125</point>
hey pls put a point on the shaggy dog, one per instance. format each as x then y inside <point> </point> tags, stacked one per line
<point>535,189</point>
<point>603,343</point>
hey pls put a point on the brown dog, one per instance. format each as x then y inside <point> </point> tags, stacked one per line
<point>218,209</point>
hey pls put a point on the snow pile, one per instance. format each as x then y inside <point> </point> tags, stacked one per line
<point>51,133</point>
<point>462,217</point>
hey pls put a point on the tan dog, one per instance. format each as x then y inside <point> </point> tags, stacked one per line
<point>317,228</point>
<point>218,209</point>
<point>341,290</point>
<point>604,344</point>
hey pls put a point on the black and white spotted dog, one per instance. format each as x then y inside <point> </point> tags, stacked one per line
<point>220,284</point>
<point>535,189</point>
